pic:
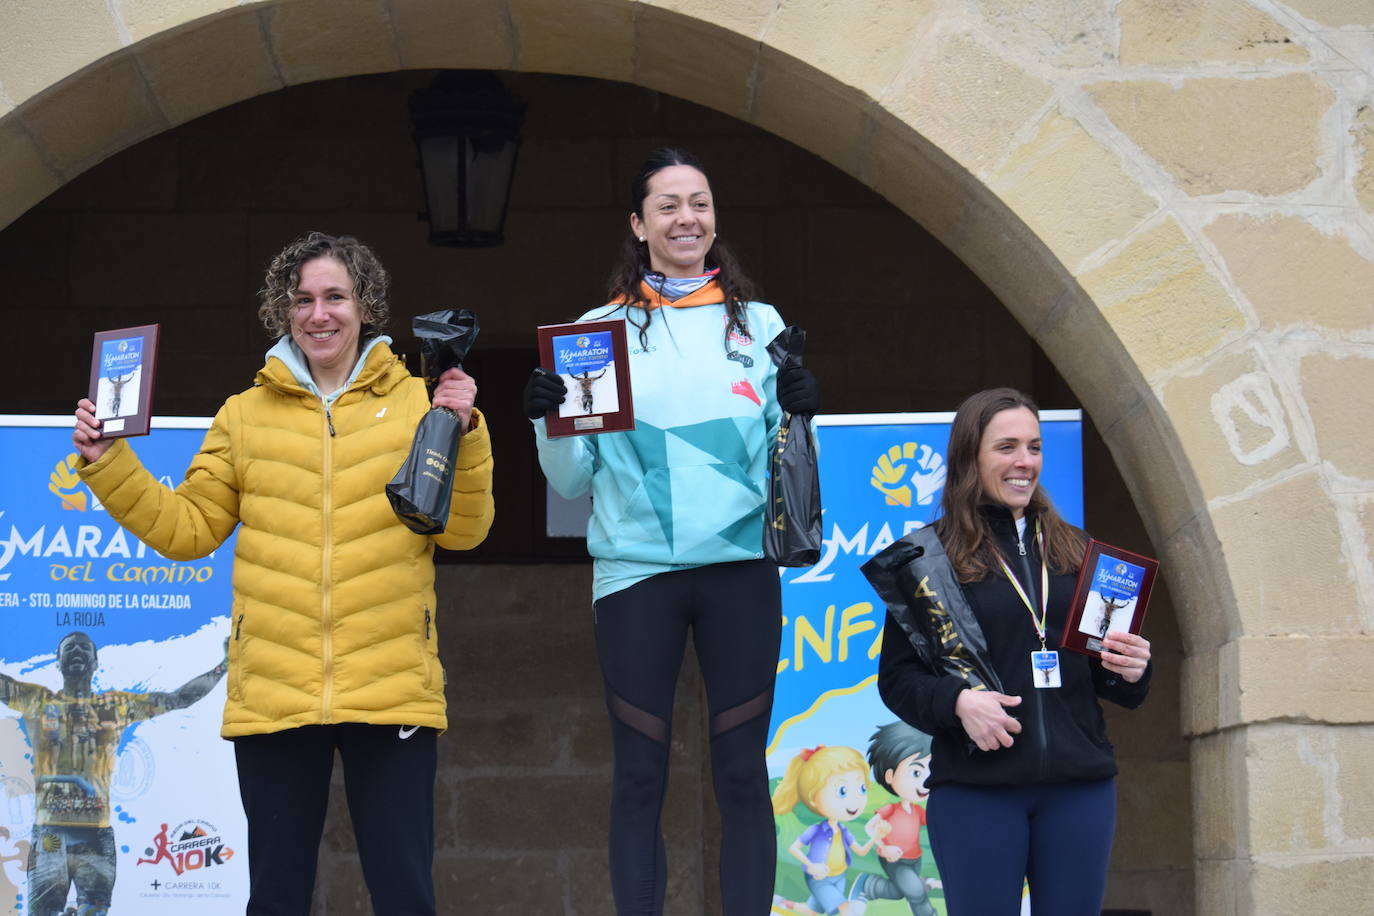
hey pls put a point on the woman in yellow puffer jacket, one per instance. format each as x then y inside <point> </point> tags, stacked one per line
<point>333,643</point>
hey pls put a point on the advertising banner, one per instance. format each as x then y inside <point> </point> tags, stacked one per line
<point>115,787</point>
<point>882,477</point>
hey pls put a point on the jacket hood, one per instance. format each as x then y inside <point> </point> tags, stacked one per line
<point>287,371</point>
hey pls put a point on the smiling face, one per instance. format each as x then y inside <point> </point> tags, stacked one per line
<point>1009,459</point>
<point>843,797</point>
<point>678,221</point>
<point>326,321</point>
<point>76,656</point>
<point>908,778</point>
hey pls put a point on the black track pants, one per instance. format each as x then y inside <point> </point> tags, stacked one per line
<point>389,778</point>
<point>734,612</point>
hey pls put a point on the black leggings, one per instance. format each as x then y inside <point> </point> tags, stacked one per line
<point>389,779</point>
<point>735,613</point>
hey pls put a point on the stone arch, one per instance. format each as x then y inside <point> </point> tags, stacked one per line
<point>1106,238</point>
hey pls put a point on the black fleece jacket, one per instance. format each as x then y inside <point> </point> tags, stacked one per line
<point>1063,735</point>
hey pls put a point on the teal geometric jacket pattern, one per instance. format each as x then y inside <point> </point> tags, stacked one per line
<point>687,486</point>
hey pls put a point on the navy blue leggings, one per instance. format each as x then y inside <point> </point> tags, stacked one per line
<point>734,614</point>
<point>1056,836</point>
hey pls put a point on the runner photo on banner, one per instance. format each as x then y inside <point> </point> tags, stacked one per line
<point>118,791</point>
<point>847,777</point>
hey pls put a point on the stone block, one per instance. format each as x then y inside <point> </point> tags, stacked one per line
<point>146,18</point>
<point>1071,190</point>
<point>1066,33</point>
<point>1183,33</point>
<point>26,178</point>
<point>326,39</point>
<point>1162,301</point>
<point>1235,424</point>
<point>1153,800</point>
<point>498,815</point>
<point>1334,14</point>
<point>589,884</point>
<point>1193,564</point>
<point>1158,890</point>
<point>1324,679</point>
<point>1218,134</point>
<point>475,35</point>
<point>672,48</point>
<point>1221,887</point>
<point>1220,793</point>
<point>925,183</point>
<point>159,260</point>
<point>508,885</point>
<point>1310,884</point>
<point>142,178</point>
<point>745,17</point>
<point>498,736</point>
<point>1145,446</point>
<point>593,38</point>
<point>1338,391</point>
<point>209,66</point>
<point>809,108</point>
<point>488,662</point>
<point>87,119</point>
<point>1258,253</point>
<point>860,45</point>
<point>42,43</point>
<point>1275,579</point>
<point>966,100</point>
<point>1362,131</point>
<point>563,174</point>
<point>1326,783</point>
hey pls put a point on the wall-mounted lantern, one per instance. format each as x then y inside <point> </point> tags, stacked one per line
<point>467,132</point>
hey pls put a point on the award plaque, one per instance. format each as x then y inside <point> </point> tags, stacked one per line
<point>1112,591</point>
<point>591,358</point>
<point>123,364</point>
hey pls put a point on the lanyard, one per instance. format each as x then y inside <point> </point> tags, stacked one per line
<point>1044,585</point>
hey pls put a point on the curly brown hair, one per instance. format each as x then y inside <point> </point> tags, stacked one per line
<point>370,281</point>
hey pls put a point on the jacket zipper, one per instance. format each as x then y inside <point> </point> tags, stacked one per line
<point>238,628</point>
<point>326,616</point>
<point>1042,738</point>
<point>426,623</point>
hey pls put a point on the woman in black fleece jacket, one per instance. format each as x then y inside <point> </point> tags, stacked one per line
<point>1022,775</point>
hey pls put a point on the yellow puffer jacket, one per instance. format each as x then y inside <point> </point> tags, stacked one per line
<point>333,617</point>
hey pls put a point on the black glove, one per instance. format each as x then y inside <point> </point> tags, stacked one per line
<point>543,392</point>
<point>798,391</point>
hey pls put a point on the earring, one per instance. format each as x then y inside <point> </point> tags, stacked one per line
<point>641,238</point>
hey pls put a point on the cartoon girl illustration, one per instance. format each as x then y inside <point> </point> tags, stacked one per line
<point>831,782</point>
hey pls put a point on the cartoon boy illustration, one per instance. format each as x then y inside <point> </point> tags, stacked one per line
<point>831,782</point>
<point>900,757</point>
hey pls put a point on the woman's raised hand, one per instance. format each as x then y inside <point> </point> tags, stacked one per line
<point>86,435</point>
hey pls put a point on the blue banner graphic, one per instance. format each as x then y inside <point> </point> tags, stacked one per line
<point>882,477</point>
<point>117,787</point>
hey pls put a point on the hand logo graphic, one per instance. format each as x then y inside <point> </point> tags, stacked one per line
<point>891,477</point>
<point>64,484</point>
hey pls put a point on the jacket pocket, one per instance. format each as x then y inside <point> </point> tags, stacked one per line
<point>236,654</point>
